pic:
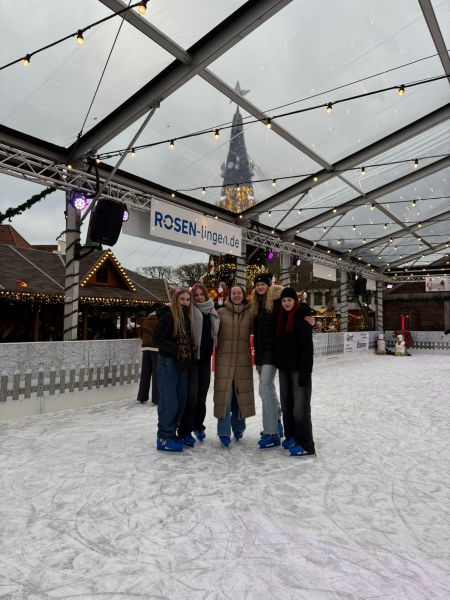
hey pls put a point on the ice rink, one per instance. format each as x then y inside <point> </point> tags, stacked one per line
<point>89,508</point>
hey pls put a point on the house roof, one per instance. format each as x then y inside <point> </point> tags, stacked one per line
<point>8,235</point>
<point>38,272</point>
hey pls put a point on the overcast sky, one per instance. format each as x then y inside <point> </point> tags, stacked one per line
<point>42,223</point>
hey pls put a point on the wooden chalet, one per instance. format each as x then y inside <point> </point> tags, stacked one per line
<point>112,298</point>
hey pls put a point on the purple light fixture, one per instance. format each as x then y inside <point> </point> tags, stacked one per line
<point>79,200</point>
<point>126,214</point>
<point>270,255</point>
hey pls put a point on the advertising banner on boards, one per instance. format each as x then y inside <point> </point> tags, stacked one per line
<point>356,341</point>
<point>179,226</point>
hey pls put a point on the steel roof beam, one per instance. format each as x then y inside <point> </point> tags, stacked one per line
<point>149,30</point>
<point>370,196</point>
<point>227,34</point>
<point>358,158</point>
<point>411,230</point>
<point>407,259</point>
<point>436,34</point>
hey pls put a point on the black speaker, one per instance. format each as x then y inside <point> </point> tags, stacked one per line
<point>360,286</point>
<point>106,221</point>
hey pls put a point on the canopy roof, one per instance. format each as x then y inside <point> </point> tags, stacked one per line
<point>179,63</point>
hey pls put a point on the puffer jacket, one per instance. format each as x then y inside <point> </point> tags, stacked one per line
<point>294,351</point>
<point>233,360</point>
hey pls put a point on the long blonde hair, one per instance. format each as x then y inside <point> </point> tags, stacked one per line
<point>177,311</point>
<point>264,301</point>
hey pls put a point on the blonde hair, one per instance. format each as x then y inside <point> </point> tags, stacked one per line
<point>177,311</point>
<point>265,301</point>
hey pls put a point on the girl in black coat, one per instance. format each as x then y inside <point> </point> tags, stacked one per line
<point>294,358</point>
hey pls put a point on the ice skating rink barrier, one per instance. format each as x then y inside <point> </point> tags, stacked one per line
<point>50,369</point>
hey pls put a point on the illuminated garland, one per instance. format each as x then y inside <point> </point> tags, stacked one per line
<point>13,212</point>
<point>59,299</point>
<point>237,198</point>
<point>108,256</point>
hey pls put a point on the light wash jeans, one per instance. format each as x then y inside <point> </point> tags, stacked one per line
<point>231,421</point>
<point>270,405</point>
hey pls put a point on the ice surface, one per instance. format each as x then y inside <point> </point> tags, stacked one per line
<point>89,509</point>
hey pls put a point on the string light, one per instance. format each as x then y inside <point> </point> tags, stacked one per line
<point>329,107</point>
<point>385,225</point>
<point>269,123</point>
<point>363,170</point>
<point>416,163</point>
<point>372,207</point>
<point>173,194</point>
<point>238,187</point>
<point>413,203</point>
<point>203,190</point>
<point>80,38</point>
<point>133,153</point>
<point>26,60</point>
<point>274,182</point>
<point>315,178</point>
<point>299,211</point>
<point>172,144</point>
<point>269,212</point>
<point>142,8</point>
<point>97,159</point>
<point>401,90</point>
<point>216,134</point>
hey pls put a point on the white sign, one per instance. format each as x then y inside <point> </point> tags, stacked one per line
<point>175,225</point>
<point>356,341</point>
<point>324,272</point>
<point>437,283</point>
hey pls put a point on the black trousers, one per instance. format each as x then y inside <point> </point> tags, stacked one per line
<point>195,411</point>
<point>148,373</point>
<point>296,409</point>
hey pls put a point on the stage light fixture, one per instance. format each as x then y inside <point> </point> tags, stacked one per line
<point>79,200</point>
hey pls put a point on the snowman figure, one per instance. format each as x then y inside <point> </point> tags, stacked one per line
<point>381,344</point>
<point>400,349</point>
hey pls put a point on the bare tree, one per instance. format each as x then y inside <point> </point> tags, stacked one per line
<point>190,274</point>
<point>158,272</point>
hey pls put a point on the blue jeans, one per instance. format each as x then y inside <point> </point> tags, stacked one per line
<point>231,421</point>
<point>173,390</point>
<point>270,405</point>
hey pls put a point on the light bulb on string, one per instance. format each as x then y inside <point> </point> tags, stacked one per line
<point>26,60</point>
<point>401,90</point>
<point>416,163</point>
<point>80,38</point>
<point>372,207</point>
<point>329,107</point>
<point>363,170</point>
<point>172,144</point>
<point>97,160</point>
<point>354,227</point>
<point>133,152</point>
<point>203,190</point>
<point>216,134</point>
<point>274,182</point>
<point>238,187</point>
<point>142,8</point>
<point>269,123</point>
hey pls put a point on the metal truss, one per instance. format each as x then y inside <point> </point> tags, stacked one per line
<point>21,164</point>
<point>278,245</point>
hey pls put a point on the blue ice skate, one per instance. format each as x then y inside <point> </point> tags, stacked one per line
<point>188,440</point>
<point>200,435</point>
<point>269,441</point>
<point>288,443</point>
<point>238,435</point>
<point>171,445</point>
<point>225,440</point>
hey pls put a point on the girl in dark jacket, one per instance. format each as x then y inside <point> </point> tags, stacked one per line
<point>205,326</point>
<point>294,358</point>
<point>173,338</point>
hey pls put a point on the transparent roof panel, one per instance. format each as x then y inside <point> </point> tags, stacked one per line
<point>357,227</point>
<point>439,231</point>
<point>428,259</point>
<point>441,9</point>
<point>433,143</point>
<point>199,161</point>
<point>294,71</point>
<point>187,22</point>
<point>50,98</point>
<point>319,199</point>
<point>420,200</point>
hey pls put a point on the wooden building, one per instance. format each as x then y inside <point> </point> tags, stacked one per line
<point>112,298</point>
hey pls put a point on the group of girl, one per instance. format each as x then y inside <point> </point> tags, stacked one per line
<point>191,328</point>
